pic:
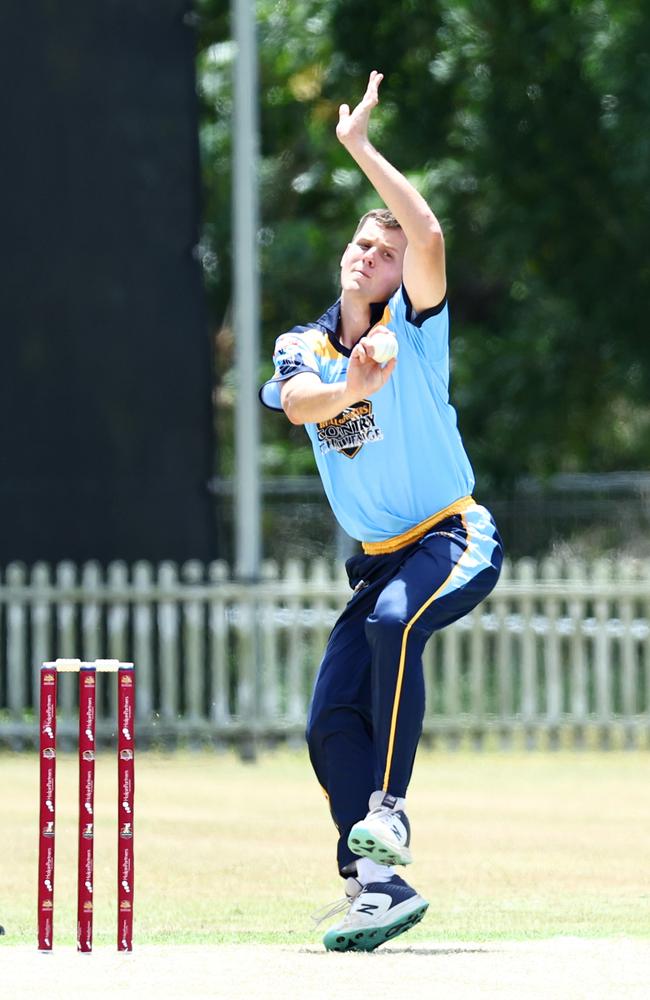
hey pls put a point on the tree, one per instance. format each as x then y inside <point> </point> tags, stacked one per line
<point>526,123</point>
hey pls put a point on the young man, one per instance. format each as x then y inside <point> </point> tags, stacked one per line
<point>397,477</point>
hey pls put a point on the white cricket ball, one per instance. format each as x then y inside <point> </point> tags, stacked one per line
<point>384,346</point>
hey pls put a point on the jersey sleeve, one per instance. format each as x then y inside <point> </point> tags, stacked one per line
<point>427,332</point>
<point>291,356</point>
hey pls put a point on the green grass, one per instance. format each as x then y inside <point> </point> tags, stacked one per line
<point>506,846</point>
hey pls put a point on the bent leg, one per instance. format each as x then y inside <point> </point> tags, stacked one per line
<point>445,576</point>
<point>339,727</point>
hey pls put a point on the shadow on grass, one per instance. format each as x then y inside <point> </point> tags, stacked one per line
<point>404,951</point>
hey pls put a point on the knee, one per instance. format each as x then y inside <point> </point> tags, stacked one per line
<point>384,627</point>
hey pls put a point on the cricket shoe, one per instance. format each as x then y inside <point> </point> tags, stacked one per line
<point>384,835</point>
<point>378,913</point>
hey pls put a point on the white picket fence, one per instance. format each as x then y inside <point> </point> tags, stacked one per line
<point>559,653</point>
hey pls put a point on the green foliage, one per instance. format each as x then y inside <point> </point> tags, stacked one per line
<point>554,234</point>
<point>526,123</point>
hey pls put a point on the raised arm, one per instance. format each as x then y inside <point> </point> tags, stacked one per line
<point>424,260</point>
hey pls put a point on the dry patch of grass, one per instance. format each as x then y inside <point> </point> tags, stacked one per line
<point>506,846</point>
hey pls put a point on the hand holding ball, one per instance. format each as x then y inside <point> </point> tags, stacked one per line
<point>383,346</point>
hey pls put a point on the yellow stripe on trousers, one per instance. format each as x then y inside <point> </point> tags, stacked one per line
<point>402,658</point>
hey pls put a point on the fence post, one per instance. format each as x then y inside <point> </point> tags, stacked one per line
<point>645,648</point>
<point>218,627</point>
<point>269,659</point>
<point>578,661</point>
<point>66,645</point>
<point>91,584</point>
<point>526,576</point>
<point>143,639</point>
<point>504,654</point>
<point>477,658</point>
<point>602,577</point>
<point>117,623</point>
<point>246,660</point>
<point>17,645</point>
<point>193,646</point>
<point>41,627</point>
<point>168,637</point>
<point>627,576</point>
<point>553,656</point>
<point>294,578</point>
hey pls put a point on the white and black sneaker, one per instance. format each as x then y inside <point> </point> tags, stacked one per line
<point>385,834</point>
<point>378,912</point>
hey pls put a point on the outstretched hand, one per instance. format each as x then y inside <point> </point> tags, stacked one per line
<point>353,125</point>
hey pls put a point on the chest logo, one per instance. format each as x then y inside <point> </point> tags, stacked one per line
<point>349,431</point>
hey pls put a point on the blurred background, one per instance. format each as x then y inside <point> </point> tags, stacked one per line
<point>106,372</point>
<point>526,124</point>
<point>526,127</point>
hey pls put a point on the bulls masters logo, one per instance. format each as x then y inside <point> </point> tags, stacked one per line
<point>350,430</point>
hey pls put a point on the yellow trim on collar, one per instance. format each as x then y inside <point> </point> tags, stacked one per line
<point>419,530</point>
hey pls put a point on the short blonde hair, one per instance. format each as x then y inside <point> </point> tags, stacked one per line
<point>381,216</point>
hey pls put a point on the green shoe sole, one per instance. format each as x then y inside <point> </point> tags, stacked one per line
<point>369,938</point>
<point>364,843</point>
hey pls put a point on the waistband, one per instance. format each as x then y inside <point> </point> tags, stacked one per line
<point>417,531</point>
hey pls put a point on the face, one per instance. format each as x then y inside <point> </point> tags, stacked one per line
<point>372,264</point>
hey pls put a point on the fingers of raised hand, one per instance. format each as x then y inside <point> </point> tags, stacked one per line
<point>372,90</point>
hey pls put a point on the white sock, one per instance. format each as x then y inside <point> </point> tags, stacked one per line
<point>393,802</point>
<point>369,871</point>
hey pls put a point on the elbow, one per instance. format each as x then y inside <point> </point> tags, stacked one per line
<point>427,236</point>
<point>432,238</point>
<point>289,407</point>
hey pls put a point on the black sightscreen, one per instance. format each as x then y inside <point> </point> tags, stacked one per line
<point>106,436</point>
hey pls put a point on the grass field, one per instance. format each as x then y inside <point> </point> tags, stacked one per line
<point>507,847</point>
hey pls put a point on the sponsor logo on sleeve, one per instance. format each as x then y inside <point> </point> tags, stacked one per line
<point>288,360</point>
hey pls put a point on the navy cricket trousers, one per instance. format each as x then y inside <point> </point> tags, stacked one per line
<point>365,718</point>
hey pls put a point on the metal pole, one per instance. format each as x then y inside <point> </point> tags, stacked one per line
<point>246,292</point>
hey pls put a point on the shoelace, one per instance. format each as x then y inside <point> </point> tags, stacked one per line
<point>331,909</point>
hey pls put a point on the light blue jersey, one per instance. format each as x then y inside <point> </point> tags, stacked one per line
<point>395,459</point>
